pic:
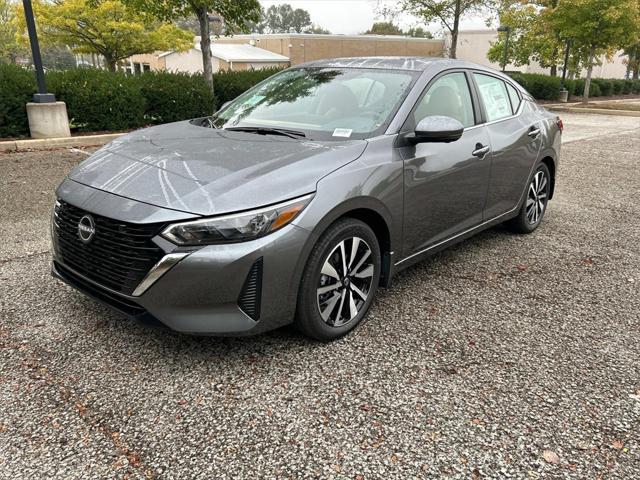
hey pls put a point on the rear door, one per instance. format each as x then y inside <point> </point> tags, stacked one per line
<point>514,133</point>
<point>445,184</point>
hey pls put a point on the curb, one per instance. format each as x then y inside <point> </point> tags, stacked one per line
<point>47,143</point>
<point>597,111</point>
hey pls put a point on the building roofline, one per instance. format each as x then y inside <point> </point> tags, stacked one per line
<point>390,38</point>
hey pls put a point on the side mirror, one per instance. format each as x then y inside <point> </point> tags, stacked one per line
<point>437,128</point>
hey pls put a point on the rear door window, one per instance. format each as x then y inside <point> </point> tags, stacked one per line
<point>495,98</point>
<point>514,97</point>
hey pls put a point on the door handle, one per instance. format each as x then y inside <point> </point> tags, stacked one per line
<point>480,151</point>
<point>534,132</point>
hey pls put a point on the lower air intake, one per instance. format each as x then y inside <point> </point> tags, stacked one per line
<point>249,300</point>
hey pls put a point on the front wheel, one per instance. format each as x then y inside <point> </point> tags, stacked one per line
<point>339,281</point>
<point>535,203</point>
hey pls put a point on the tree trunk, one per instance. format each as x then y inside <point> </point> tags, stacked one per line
<point>454,31</point>
<point>205,45</point>
<point>553,71</point>
<point>587,81</point>
<point>110,63</point>
<point>636,64</point>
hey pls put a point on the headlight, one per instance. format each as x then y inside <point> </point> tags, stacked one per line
<point>237,227</point>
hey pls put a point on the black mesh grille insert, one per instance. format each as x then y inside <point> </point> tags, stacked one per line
<point>118,257</point>
<point>249,300</point>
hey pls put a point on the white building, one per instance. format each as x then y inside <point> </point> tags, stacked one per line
<point>473,46</point>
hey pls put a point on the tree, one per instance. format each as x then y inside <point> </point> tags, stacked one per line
<point>384,28</point>
<point>633,60</point>
<point>532,36</point>
<point>597,27</point>
<point>447,12</point>
<point>106,27</point>
<point>418,32</point>
<point>10,48</point>
<point>317,29</point>
<point>236,15</point>
<point>284,19</point>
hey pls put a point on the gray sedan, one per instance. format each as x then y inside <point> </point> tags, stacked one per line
<point>299,199</point>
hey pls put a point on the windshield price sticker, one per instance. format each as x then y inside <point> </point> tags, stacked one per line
<point>342,132</point>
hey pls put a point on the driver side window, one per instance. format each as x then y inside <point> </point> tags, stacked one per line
<point>449,96</point>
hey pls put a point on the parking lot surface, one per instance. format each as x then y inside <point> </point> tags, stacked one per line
<point>503,356</point>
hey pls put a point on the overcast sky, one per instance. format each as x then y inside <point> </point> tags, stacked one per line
<point>356,16</point>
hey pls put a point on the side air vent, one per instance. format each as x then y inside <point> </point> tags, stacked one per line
<point>249,300</point>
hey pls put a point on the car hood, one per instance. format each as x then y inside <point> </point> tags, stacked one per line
<point>207,171</point>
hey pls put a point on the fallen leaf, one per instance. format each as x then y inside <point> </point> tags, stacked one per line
<point>365,408</point>
<point>587,261</point>
<point>359,477</point>
<point>618,445</point>
<point>521,268</point>
<point>551,457</point>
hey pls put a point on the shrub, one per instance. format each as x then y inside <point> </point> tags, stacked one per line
<point>98,99</point>
<point>594,89</point>
<point>541,87</point>
<point>635,86</point>
<point>17,85</point>
<point>228,85</point>
<point>606,86</point>
<point>618,86</point>
<point>175,96</point>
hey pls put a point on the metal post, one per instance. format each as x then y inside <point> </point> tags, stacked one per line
<point>42,96</point>
<point>566,63</point>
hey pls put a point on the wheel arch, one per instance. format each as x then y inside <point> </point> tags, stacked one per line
<point>550,163</point>
<point>373,213</point>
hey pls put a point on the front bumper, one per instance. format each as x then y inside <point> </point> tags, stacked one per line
<point>201,293</point>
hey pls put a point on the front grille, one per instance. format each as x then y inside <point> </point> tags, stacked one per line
<point>119,255</point>
<point>127,307</point>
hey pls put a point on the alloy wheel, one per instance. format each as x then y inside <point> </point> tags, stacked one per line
<point>537,197</point>
<point>345,281</point>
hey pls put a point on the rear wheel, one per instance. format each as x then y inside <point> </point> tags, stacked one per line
<point>339,281</point>
<point>535,204</point>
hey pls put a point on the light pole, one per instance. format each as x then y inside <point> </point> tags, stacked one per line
<point>42,96</point>
<point>507,30</point>
<point>47,118</point>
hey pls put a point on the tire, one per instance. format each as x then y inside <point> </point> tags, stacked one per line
<point>326,313</point>
<point>535,203</point>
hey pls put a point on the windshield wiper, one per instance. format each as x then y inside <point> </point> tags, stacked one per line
<point>285,132</point>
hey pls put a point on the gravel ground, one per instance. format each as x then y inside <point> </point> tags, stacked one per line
<point>505,356</point>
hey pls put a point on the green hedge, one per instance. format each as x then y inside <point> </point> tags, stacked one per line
<point>99,100</point>
<point>228,85</point>
<point>544,87</point>
<point>541,87</point>
<point>17,86</point>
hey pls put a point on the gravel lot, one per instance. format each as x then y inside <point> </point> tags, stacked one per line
<point>504,356</point>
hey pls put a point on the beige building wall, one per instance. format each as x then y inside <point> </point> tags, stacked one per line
<point>302,48</point>
<point>152,59</point>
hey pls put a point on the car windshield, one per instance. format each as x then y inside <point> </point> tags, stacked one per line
<point>321,103</point>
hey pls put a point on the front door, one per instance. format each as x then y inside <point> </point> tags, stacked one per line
<point>445,184</point>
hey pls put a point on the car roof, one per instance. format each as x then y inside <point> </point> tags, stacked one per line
<point>418,64</point>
